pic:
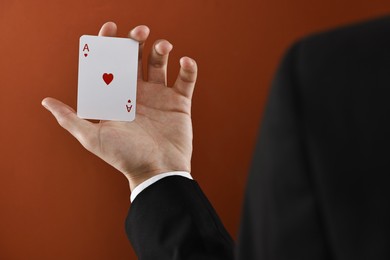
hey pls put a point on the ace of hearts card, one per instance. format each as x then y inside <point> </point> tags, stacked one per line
<point>107,81</point>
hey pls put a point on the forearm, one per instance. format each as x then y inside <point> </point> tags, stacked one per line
<point>172,219</point>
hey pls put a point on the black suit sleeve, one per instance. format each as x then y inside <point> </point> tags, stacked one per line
<point>172,219</point>
<point>280,217</point>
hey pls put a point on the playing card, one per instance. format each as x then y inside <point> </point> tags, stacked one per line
<point>107,84</point>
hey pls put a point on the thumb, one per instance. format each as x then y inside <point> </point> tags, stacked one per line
<point>66,117</point>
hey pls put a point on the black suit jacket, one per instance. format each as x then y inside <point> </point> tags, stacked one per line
<point>319,187</point>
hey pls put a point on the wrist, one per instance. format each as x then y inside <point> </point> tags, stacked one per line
<point>136,179</point>
<point>142,186</point>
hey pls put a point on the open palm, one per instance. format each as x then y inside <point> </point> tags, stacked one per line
<point>160,138</point>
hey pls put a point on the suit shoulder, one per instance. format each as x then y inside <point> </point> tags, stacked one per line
<point>359,34</point>
<point>342,53</point>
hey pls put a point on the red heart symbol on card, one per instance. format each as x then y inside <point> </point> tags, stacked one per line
<point>85,54</point>
<point>108,77</point>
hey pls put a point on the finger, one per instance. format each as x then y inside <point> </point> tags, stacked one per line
<point>140,34</point>
<point>108,29</point>
<point>83,130</point>
<point>185,82</point>
<point>158,60</point>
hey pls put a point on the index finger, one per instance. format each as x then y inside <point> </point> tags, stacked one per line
<point>108,29</point>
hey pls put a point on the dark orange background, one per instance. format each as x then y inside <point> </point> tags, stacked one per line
<point>57,200</point>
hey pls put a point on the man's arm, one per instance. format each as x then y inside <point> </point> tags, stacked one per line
<point>171,219</point>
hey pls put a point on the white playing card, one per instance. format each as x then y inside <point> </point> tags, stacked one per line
<point>107,85</point>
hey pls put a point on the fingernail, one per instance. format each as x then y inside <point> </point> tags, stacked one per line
<point>170,46</point>
<point>44,105</point>
<point>189,61</point>
<point>161,50</point>
<point>143,28</point>
<point>132,32</point>
<point>181,62</point>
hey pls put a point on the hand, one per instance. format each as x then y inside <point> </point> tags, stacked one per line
<point>160,137</point>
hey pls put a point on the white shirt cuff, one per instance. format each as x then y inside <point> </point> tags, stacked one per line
<point>154,179</point>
